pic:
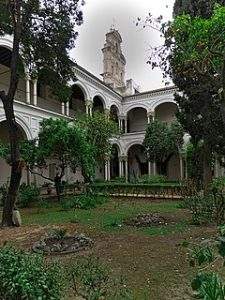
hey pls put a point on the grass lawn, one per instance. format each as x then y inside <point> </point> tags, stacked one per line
<point>151,259</point>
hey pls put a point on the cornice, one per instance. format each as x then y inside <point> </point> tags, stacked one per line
<point>150,94</point>
<point>95,81</point>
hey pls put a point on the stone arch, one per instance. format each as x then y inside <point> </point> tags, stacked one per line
<point>161,101</point>
<point>84,89</point>
<point>114,113</point>
<point>165,111</point>
<point>137,161</point>
<point>99,104</point>
<point>136,105</point>
<point>7,42</point>
<point>24,133</point>
<point>78,99</point>
<point>137,119</point>
<point>102,97</point>
<point>23,124</point>
<point>114,161</point>
<point>5,61</point>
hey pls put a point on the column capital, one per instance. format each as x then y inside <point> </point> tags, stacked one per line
<point>122,117</point>
<point>89,103</point>
<point>34,80</point>
<point>107,111</point>
<point>123,158</point>
<point>27,76</point>
<point>151,113</point>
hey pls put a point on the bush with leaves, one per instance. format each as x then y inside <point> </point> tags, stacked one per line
<point>206,284</point>
<point>28,194</point>
<point>26,276</point>
<point>85,201</point>
<point>201,208</point>
<point>92,280</point>
<point>208,208</point>
<point>152,179</point>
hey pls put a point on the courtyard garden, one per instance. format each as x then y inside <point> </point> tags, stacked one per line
<point>152,258</point>
<point>85,217</point>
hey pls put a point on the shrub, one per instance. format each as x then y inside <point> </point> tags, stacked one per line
<point>85,201</point>
<point>211,207</point>
<point>201,208</point>
<point>208,285</point>
<point>93,280</point>
<point>152,179</point>
<point>28,194</point>
<point>25,276</point>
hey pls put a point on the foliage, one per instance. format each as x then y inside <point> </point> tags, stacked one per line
<point>48,34</point>
<point>92,280</point>
<point>43,34</point>
<point>26,276</point>
<point>162,141</point>
<point>206,284</point>
<point>100,129</point>
<point>193,57</point>
<point>209,286</point>
<point>203,8</point>
<point>210,207</point>
<point>62,141</point>
<point>194,162</point>
<point>57,233</point>
<point>201,207</point>
<point>28,194</point>
<point>86,201</point>
<point>152,179</point>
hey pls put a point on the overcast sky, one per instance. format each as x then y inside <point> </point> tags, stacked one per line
<point>100,15</point>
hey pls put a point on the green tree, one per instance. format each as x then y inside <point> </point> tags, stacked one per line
<point>100,129</point>
<point>162,141</point>
<point>43,33</point>
<point>64,142</point>
<point>195,8</point>
<point>193,57</point>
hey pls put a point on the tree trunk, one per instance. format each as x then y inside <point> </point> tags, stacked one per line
<point>16,165</point>
<point>8,100</point>
<point>207,168</point>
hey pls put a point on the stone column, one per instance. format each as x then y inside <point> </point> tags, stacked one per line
<point>67,108</point>
<point>149,168</point>
<point>90,108</point>
<point>181,168</point>
<point>154,169</point>
<point>63,108</point>
<point>35,92</point>
<point>121,164</point>
<point>216,168</point>
<point>109,170</point>
<point>88,105</point>
<point>125,120</point>
<point>151,116</point>
<point>126,168</point>
<point>27,89</point>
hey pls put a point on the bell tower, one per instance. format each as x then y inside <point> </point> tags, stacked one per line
<point>114,61</point>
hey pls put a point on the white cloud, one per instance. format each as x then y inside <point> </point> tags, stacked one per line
<point>100,15</point>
